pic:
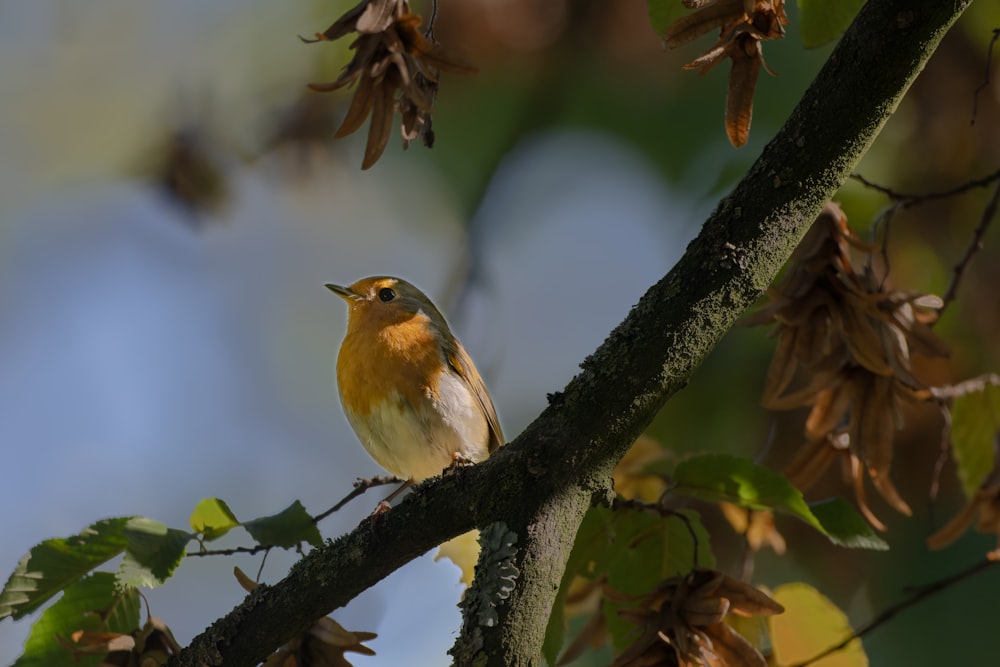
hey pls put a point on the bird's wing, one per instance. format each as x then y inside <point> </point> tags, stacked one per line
<point>461,363</point>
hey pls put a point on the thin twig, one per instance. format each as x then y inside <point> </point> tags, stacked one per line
<point>907,199</point>
<point>970,386</point>
<point>975,245</point>
<point>919,595</point>
<point>360,486</point>
<point>620,503</point>
<point>429,33</point>
<point>986,75</point>
<point>945,451</point>
<point>230,552</point>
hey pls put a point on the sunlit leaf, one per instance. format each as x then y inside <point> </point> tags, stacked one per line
<point>154,551</point>
<point>725,478</point>
<point>212,518</point>
<point>463,551</point>
<point>287,529</point>
<point>844,526</point>
<point>975,420</point>
<point>821,21</point>
<point>80,608</point>
<point>56,563</point>
<point>721,477</point>
<point>810,625</point>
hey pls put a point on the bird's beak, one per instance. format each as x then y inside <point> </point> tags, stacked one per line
<point>345,293</point>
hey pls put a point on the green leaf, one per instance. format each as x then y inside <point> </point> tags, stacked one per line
<point>212,518</point>
<point>648,550</point>
<point>844,526</point>
<point>634,551</point>
<point>975,421</point>
<point>555,631</point>
<point>664,12</point>
<point>75,610</point>
<point>153,553</point>
<point>821,21</point>
<point>57,563</point>
<point>287,529</point>
<point>721,477</point>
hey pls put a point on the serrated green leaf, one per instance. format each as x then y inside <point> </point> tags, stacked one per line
<point>975,420</point>
<point>664,12</point>
<point>633,551</point>
<point>212,519</point>
<point>844,526</point>
<point>153,553</point>
<point>721,477</point>
<point>57,563</point>
<point>821,21</point>
<point>287,529</point>
<point>75,611</point>
<point>659,548</point>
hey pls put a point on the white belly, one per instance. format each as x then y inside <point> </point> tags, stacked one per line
<point>417,442</point>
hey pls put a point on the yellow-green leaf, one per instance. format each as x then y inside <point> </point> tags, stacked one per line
<point>810,625</point>
<point>212,518</point>
<point>975,420</point>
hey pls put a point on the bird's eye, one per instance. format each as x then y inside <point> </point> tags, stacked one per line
<point>386,294</point>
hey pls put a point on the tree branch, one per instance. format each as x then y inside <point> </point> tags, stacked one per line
<point>540,485</point>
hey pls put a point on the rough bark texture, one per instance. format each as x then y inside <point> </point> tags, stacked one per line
<point>531,495</point>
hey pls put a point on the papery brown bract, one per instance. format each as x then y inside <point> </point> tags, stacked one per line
<point>743,25</point>
<point>682,621</point>
<point>391,56</point>
<point>848,339</point>
<point>983,508</point>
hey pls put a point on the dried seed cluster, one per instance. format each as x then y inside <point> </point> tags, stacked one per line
<point>683,618</point>
<point>743,25</point>
<point>390,55</point>
<point>851,340</point>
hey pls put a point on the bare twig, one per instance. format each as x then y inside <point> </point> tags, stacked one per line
<point>986,75</point>
<point>907,199</point>
<point>231,552</point>
<point>945,449</point>
<point>620,503</point>
<point>360,486</point>
<point>918,595</point>
<point>975,244</point>
<point>969,386</point>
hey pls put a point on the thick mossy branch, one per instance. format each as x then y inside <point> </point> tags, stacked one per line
<point>540,485</point>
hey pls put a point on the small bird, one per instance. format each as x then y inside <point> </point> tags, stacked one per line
<point>408,387</point>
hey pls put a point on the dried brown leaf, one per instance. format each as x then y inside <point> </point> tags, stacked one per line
<point>378,15</point>
<point>381,126</point>
<point>828,411</point>
<point>811,462</point>
<point>731,649</point>
<point>747,60</point>
<point>361,106</point>
<point>692,26</point>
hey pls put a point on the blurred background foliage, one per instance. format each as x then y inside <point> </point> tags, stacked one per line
<point>166,180</point>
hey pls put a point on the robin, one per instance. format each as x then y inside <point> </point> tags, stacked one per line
<point>408,387</point>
